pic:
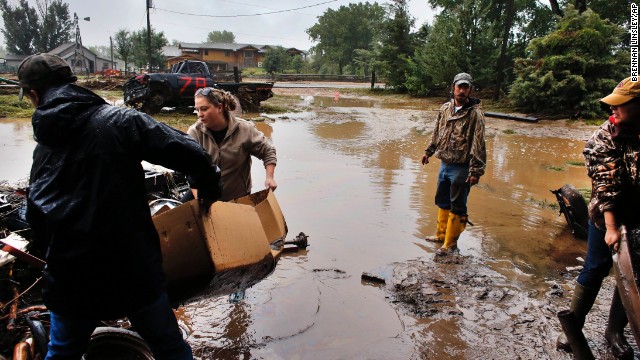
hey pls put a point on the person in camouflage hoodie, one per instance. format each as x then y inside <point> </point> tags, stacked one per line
<point>612,160</point>
<point>458,141</point>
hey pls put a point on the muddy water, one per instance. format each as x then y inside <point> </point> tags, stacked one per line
<point>349,177</point>
<point>16,147</point>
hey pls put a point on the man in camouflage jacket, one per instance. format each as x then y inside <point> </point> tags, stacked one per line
<point>458,141</point>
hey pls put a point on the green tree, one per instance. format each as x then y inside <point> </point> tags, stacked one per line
<point>140,55</point>
<point>340,32</point>
<point>396,46</point>
<point>26,32</point>
<point>221,37</point>
<point>20,27</point>
<point>296,64</point>
<point>440,59</point>
<point>123,46</point>
<point>101,50</point>
<point>276,60</point>
<point>55,25</point>
<point>568,70</point>
<point>367,60</point>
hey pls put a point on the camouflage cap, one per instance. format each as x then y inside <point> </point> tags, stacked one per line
<point>463,78</point>
<point>42,70</point>
<point>625,91</point>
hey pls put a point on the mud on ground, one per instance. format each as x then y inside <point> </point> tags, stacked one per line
<point>501,320</point>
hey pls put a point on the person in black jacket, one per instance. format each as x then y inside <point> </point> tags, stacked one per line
<point>87,207</point>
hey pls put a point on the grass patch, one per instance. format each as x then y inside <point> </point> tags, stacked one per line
<point>11,107</point>
<point>177,119</point>
<point>554,168</point>
<point>596,122</point>
<point>586,193</point>
<point>275,109</point>
<point>110,94</point>
<point>545,204</point>
<point>575,163</point>
<point>508,131</point>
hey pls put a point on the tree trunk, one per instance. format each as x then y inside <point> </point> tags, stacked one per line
<point>508,23</point>
<point>581,5</point>
<point>555,7</point>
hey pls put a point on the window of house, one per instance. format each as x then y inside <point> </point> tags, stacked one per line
<point>206,52</point>
<point>227,53</point>
<point>248,54</point>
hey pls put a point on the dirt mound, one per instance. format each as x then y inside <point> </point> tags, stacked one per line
<point>102,83</point>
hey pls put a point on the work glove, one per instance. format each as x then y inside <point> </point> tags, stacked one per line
<point>210,192</point>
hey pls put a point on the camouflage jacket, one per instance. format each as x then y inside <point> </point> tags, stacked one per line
<point>611,158</point>
<point>458,138</point>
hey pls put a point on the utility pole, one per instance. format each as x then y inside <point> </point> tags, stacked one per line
<point>111,44</point>
<point>149,6</point>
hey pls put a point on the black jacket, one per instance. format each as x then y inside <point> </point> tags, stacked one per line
<point>87,203</point>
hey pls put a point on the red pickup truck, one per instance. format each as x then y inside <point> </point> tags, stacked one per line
<point>151,92</point>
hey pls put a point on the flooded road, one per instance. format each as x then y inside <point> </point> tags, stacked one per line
<point>349,176</point>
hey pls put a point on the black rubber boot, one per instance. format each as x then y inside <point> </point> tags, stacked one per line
<point>581,303</point>
<point>614,334</point>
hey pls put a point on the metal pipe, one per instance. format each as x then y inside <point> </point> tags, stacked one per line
<point>577,341</point>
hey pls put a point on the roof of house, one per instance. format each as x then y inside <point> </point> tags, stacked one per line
<point>171,51</point>
<point>231,46</point>
<point>219,46</point>
<point>64,47</point>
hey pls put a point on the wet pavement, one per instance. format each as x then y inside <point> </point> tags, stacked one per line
<point>349,177</point>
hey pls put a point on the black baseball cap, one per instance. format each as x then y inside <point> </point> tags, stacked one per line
<point>42,70</point>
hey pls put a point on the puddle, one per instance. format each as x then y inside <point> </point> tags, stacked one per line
<point>16,149</point>
<point>349,177</point>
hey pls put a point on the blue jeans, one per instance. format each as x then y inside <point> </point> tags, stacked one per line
<point>598,261</point>
<point>156,323</point>
<point>453,188</point>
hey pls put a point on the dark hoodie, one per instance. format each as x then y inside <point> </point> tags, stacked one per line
<point>87,203</point>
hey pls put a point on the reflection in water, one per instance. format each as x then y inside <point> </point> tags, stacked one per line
<point>16,147</point>
<point>352,181</point>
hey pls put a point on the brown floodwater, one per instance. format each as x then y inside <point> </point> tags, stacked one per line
<point>349,176</point>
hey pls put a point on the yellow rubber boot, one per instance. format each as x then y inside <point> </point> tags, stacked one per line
<point>441,228</point>
<point>455,227</point>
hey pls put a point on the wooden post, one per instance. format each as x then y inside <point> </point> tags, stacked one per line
<point>236,75</point>
<point>373,79</point>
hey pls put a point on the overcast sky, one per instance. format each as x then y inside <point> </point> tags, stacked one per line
<point>286,28</point>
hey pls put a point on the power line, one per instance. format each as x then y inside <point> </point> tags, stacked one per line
<point>244,15</point>
<point>264,7</point>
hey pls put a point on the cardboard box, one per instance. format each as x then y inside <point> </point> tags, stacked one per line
<point>232,247</point>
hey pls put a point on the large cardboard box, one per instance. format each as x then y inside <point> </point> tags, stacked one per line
<point>233,246</point>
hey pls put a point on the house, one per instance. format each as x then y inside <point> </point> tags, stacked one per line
<point>222,56</point>
<point>92,62</point>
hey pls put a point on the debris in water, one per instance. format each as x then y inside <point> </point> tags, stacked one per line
<point>373,278</point>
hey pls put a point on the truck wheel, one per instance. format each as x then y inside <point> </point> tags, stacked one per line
<point>117,343</point>
<point>153,104</point>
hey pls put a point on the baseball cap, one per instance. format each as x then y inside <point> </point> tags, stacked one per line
<point>625,91</point>
<point>42,70</point>
<point>463,78</point>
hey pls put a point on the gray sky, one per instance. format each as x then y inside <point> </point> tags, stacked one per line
<point>284,28</point>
